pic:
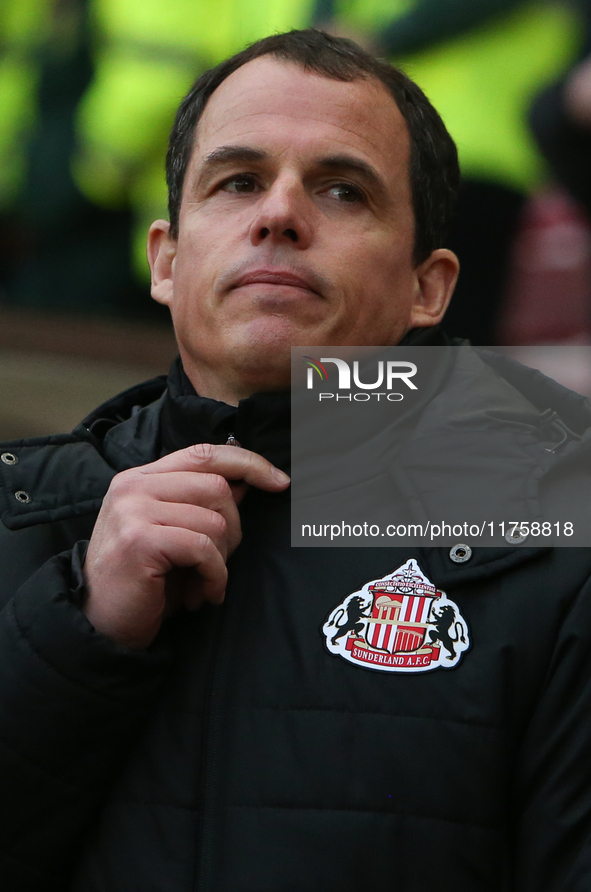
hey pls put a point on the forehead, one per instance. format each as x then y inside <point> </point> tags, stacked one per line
<point>271,101</point>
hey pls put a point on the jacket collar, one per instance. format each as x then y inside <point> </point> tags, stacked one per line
<point>260,423</point>
<point>67,475</point>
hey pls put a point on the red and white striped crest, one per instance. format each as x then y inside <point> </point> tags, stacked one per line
<point>399,623</point>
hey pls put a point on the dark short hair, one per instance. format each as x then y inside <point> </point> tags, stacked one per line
<point>434,171</point>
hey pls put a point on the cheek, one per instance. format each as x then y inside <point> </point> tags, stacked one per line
<point>385,279</point>
<point>193,273</point>
<point>385,306</point>
<point>382,256</point>
<point>188,310</point>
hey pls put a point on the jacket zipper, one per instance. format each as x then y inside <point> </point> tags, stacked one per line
<point>229,615</point>
<point>204,872</point>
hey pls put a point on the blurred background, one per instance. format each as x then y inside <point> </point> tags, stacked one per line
<point>88,91</point>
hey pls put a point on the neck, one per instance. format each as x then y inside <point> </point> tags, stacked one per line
<point>228,388</point>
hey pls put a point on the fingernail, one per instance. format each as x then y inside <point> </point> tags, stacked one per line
<point>280,477</point>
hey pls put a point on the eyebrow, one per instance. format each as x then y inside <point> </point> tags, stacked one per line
<point>228,154</point>
<point>341,163</point>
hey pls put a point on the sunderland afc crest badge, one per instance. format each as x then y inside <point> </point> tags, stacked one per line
<point>400,623</point>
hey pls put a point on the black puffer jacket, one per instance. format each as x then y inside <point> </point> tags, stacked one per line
<point>239,754</point>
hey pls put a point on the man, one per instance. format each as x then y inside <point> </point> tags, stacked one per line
<point>156,738</point>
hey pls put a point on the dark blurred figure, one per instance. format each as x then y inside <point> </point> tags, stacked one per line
<point>560,118</point>
<point>482,235</point>
<point>480,62</point>
<point>64,252</point>
<point>549,298</point>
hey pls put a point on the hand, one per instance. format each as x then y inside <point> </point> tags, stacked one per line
<point>163,535</point>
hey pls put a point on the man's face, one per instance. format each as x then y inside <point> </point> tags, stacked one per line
<point>296,227</point>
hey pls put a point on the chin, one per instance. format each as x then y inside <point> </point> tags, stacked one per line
<point>268,370</point>
<point>276,339</point>
<point>263,358</point>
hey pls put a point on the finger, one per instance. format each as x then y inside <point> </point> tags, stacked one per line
<point>184,588</point>
<point>178,547</point>
<point>208,490</point>
<point>136,494</point>
<point>194,592</point>
<point>238,490</point>
<point>200,520</point>
<point>228,461</point>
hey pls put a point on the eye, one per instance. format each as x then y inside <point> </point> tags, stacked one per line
<point>241,183</point>
<point>346,192</point>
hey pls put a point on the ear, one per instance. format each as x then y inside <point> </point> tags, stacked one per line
<point>161,255</point>
<point>436,279</point>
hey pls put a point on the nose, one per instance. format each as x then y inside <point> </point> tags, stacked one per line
<point>284,215</point>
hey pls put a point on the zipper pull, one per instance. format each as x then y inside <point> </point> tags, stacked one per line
<point>232,441</point>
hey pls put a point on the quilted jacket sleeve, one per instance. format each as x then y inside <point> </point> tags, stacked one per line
<point>553,769</point>
<point>70,704</point>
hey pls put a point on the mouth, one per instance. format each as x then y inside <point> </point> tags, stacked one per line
<point>276,277</point>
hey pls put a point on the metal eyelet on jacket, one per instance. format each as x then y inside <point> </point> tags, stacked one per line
<point>9,458</point>
<point>515,536</point>
<point>460,553</point>
<point>22,496</point>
